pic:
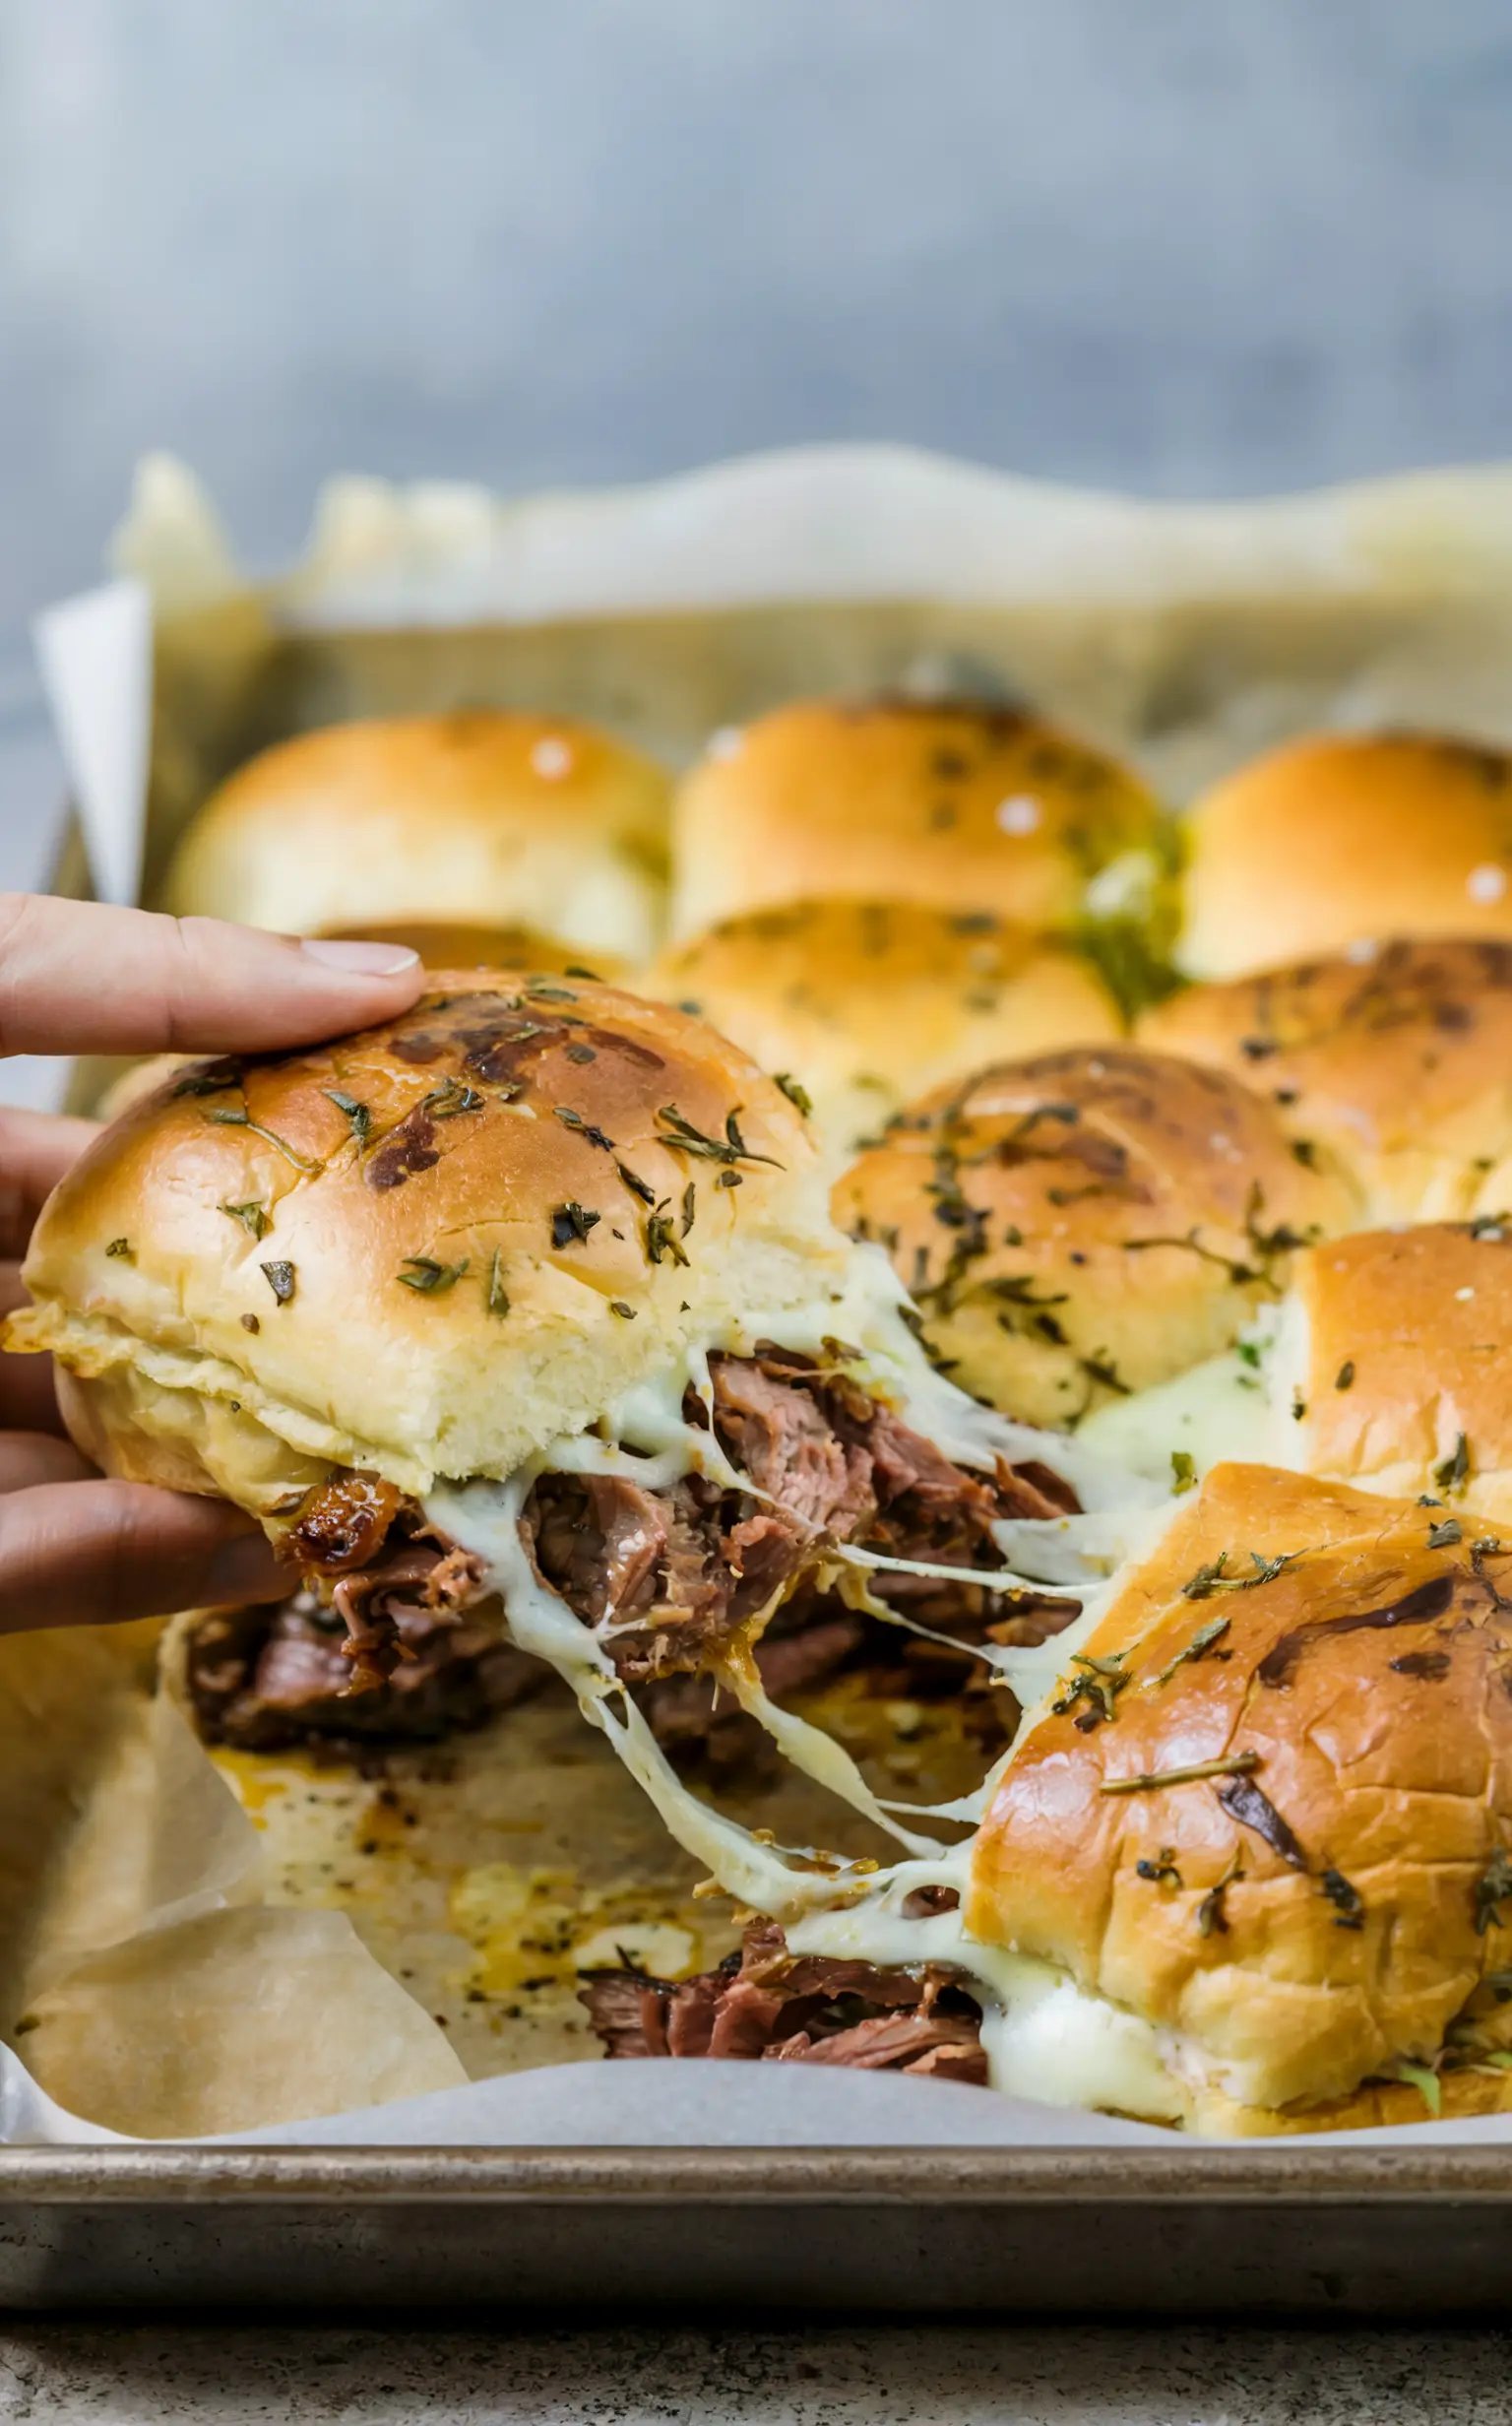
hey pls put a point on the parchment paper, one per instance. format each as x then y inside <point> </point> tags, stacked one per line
<point>193,1967</point>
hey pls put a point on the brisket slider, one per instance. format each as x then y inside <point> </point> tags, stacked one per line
<point>533,1293</point>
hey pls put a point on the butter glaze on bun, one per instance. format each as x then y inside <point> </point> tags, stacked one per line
<point>1327,1904</point>
<point>1407,1337</point>
<point>1345,838</point>
<point>482,817</point>
<point>869,1003</point>
<point>1085,1224</point>
<point>957,807</point>
<point>251,1282</point>
<point>1398,1062</point>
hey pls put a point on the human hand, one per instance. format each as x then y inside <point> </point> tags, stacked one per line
<point>75,1549</point>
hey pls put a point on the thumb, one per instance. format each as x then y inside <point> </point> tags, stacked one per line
<point>92,1553</point>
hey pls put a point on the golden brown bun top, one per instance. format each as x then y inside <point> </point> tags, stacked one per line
<point>482,815</point>
<point>871,1002</point>
<point>960,806</point>
<point>1347,837</point>
<point>1358,1696</point>
<point>432,1246</point>
<point>1408,1334</point>
<point>1399,1061</point>
<point>1087,1220</point>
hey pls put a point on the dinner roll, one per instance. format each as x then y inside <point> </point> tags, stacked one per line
<point>869,1003</point>
<point>1396,1062</point>
<point>955,806</point>
<point>1086,1222</point>
<point>423,1250</point>
<point>481,817</point>
<point>1347,837</point>
<point>1268,1814</point>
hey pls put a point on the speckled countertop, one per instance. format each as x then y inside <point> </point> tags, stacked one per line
<point>800,2376</point>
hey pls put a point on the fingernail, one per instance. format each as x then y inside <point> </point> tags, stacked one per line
<point>244,1568</point>
<point>360,959</point>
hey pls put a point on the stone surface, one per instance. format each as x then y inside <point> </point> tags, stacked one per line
<point>927,2375</point>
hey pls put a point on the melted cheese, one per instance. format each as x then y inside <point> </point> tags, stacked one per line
<point>1240,1406</point>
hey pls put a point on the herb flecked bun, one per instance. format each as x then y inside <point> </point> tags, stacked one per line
<point>425,1249</point>
<point>869,1003</point>
<point>1398,1062</point>
<point>1086,1222</point>
<point>1281,1836</point>
<point>1347,839</point>
<point>1404,1376</point>
<point>479,816</point>
<point>958,805</point>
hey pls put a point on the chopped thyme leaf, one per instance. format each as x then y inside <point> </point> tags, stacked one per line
<point>430,1277</point>
<point>1424,1500</point>
<point>1100,1683</point>
<point>224,1117</point>
<point>728,1178</point>
<point>495,1295</point>
<point>583,1129</point>
<point>1447,1535</point>
<point>662,1238</point>
<point>1183,1472</point>
<point>1299,1406</point>
<point>1212,1919</point>
<point>249,1322</point>
<point>1248,1354</point>
<point>1232,1765</point>
<point>689,1208</point>
<point>1492,1887</point>
<point>1344,1379</point>
<point>591,975</point>
<point>1347,1901</point>
<point>1306,1152</point>
<point>1213,1578</point>
<point>684,1138</point>
<point>581,1053</point>
<point>120,1246</point>
<point>618,1306</point>
<point>359,1115</point>
<point>453,1095</point>
<point>636,1184</point>
<point>571,1221</point>
<point>206,1083</point>
<point>1452,1475</point>
<point>1201,1643</point>
<point>795,1092</point>
<point>253,1216</point>
<point>1163,1867</point>
<point>538,992</point>
<point>281,1279</point>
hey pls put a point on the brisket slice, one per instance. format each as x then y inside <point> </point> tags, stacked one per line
<point>766,2005</point>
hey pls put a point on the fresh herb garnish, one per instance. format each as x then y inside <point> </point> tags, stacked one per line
<point>1422,2079</point>
<point>120,1246</point>
<point>253,1216</point>
<point>1492,1887</point>
<point>1344,1379</point>
<point>636,1184</point>
<point>618,1306</point>
<point>1347,1901</point>
<point>1244,1801</point>
<point>281,1278</point>
<point>1489,1226</point>
<point>249,1322</point>
<point>689,1207</point>
<point>796,1093</point>
<point>1201,1642</point>
<point>1248,1353</point>
<point>1163,1867</point>
<point>1232,1765</point>
<point>224,1116</point>
<point>662,1238</point>
<point>1212,1919</point>
<point>686,1139</point>
<point>581,1053</point>
<point>359,1115</point>
<point>495,1295</point>
<point>591,975</point>
<point>1452,1475</point>
<point>583,1129</point>
<point>1214,1577</point>
<point>728,1178</point>
<point>205,1082</point>
<point>451,1097</point>
<point>430,1277</point>
<point>1183,1472</point>
<point>1446,1535</point>
<point>1100,1683</point>
<point>571,1221</point>
<point>539,992</point>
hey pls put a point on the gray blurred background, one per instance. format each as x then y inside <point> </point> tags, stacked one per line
<point>1181,246</point>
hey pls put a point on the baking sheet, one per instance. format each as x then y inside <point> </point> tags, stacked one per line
<point>1186,637</point>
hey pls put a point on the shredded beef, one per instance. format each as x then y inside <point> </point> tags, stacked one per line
<point>766,2005</point>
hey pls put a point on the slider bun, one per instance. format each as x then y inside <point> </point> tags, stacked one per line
<point>356,1367</point>
<point>1393,1782</point>
<point>1345,837</point>
<point>479,816</point>
<point>871,1002</point>
<point>1017,1208</point>
<point>1399,1063</point>
<point>959,807</point>
<point>1414,1324</point>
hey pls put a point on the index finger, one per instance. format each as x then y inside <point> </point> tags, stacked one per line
<point>76,977</point>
